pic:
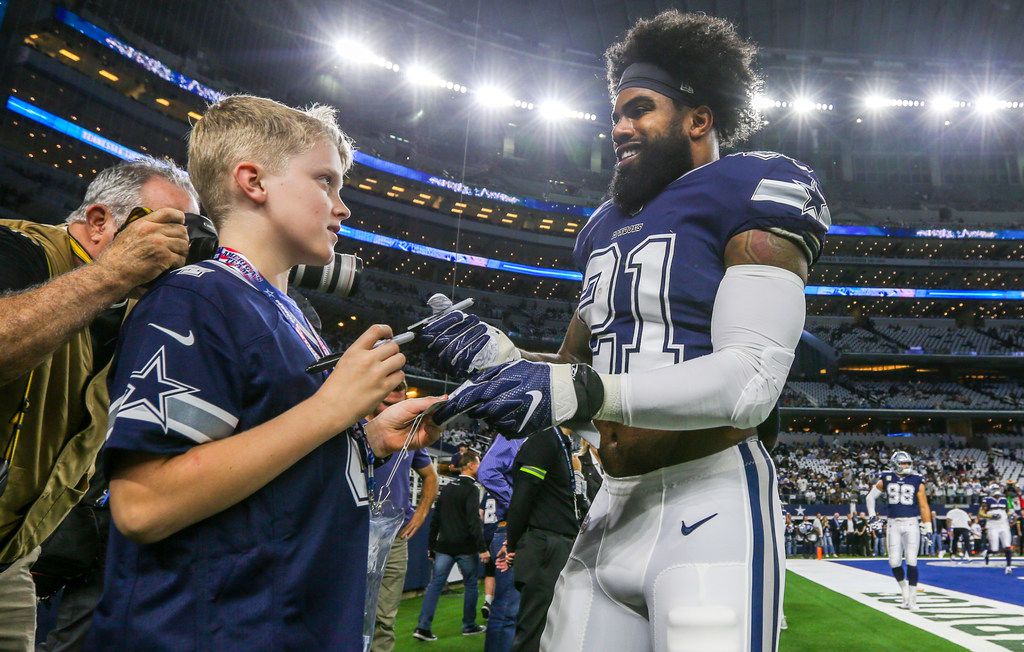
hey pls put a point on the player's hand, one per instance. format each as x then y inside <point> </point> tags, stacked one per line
<point>387,432</point>
<point>926,527</point>
<point>362,378</point>
<point>463,344</point>
<point>146,248</point>
<point>520,398</point>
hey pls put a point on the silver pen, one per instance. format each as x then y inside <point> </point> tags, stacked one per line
<point>409,335</point>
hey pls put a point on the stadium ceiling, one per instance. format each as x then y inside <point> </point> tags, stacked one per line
<point>963,33</point>
<point>970,31</point>
<point>540,50</point>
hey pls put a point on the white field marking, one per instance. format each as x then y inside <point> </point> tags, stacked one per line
<point>940,609</point>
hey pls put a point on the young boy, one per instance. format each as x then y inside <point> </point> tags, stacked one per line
<point>241,511</point>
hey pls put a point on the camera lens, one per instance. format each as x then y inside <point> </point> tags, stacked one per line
<point>339,277</point>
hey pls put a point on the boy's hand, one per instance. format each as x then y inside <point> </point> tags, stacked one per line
<point>147,247</point>
<point>387,431</point>
<point>363,377</point>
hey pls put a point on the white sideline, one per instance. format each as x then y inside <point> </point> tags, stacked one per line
<point>855,583</point>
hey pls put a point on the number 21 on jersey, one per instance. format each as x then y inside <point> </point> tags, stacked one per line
<point>646,340</point>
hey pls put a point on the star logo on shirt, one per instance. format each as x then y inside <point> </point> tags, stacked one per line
<point>815,205</point>
<point>153,387</point>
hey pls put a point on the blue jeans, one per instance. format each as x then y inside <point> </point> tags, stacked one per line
<point>879,548</point>
<point>826,543</point>
<point>501,627</point>
<point>469,566</point>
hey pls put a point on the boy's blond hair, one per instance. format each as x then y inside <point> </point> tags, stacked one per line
<point>244,127</point>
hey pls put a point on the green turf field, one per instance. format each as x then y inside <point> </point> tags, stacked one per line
<point>819,619</point>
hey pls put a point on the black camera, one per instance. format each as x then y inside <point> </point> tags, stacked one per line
<point>339,277</point>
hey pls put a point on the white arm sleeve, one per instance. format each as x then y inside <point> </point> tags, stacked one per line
<point>755,327</point>
<point>872,497</point>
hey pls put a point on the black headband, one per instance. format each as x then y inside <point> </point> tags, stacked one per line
<point>652,77</point>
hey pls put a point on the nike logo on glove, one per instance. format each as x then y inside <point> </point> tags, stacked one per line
<point>186,340</point>
<point>688,530</point>
<point>535,397</point>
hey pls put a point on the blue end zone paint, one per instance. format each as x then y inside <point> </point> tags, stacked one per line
<point>974,578</point>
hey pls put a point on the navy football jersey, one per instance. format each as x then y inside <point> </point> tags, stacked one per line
<point>901,494</point>
<point>490,517</point>
<point>204,356</point>
<point>650,279</point>
<point>996,509</point>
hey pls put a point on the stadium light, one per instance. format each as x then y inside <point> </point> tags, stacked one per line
<point>419,75</point>
<point>359,52</point>
<point>988,104</point>
<point>492,96</point>
<point>875,102</point>
<point>762,102</point>
<point>553,111</point>
<point>803,105</point>
<point>941,103</point>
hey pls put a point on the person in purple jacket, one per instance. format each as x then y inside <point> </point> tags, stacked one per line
<point>495,474</point>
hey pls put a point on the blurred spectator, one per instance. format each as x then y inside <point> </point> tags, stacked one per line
<point>456,537</point>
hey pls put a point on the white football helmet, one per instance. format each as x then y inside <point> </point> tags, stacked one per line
<point>902,462</point>
<point>994,490</point>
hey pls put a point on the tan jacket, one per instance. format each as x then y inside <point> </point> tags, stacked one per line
<point>63,428</point>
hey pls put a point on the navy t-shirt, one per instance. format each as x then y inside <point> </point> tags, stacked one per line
<point>650,279</point>
<point>204,356</point>
<point>398,490</point>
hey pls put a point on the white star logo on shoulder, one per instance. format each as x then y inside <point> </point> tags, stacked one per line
<point>154,388</point>
<point>185,340</point>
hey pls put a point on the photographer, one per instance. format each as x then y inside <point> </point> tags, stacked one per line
<point>63,295</point>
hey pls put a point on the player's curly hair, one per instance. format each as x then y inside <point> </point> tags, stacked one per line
<point>707,53</point>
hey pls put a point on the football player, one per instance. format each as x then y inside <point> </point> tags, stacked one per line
<point>909,517</point>
<point>691,309</point>
<point>997,524</point>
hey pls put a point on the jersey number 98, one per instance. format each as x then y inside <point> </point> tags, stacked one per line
<point>901,494</point>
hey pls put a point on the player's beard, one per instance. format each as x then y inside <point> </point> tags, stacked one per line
<point>661,161</point>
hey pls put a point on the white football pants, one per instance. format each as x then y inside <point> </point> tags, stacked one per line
<point>998,536</point>
<point>684,558</point>
<point>903,538</point>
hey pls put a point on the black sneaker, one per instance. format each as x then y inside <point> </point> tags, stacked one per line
<point>475,629</point>
<point>485,610</point>
<point>424,634</point>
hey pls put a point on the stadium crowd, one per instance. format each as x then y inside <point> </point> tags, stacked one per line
<point>840,474</point>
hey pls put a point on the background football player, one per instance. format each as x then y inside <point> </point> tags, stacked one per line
<point>997,524</point>
<point>909,517</point>
<point>691,310</point>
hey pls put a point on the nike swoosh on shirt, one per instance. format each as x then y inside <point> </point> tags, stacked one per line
<point>186,340</point>
<point>688,530</point>
<point>535,397</point>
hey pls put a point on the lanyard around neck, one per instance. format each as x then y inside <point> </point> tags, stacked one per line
<point>564,441</point>
<point>241,266</point>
